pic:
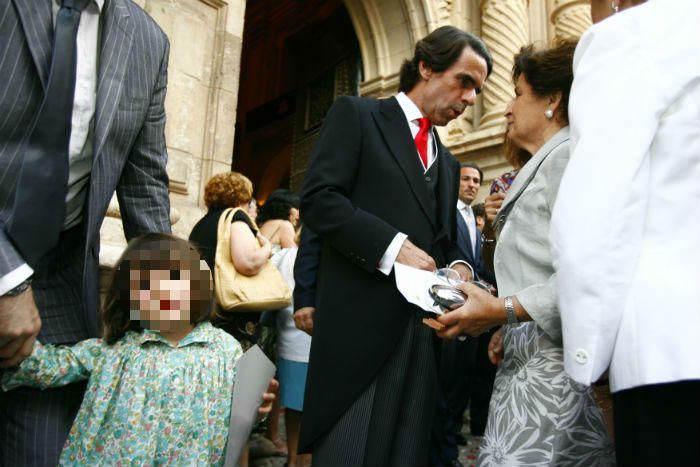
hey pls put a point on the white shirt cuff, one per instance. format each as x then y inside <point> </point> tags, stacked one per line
<point>14,278</point>
<point>386,264</point>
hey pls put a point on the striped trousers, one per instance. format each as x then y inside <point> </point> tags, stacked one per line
<point>389,424</point>
<point>34,424</point>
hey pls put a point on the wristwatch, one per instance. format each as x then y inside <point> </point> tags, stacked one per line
<point>24,285</point>
<point>510,311</point>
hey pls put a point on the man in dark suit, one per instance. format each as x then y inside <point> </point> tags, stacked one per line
<point>382,189</point>
<point>466,375</point>
<point>85,117</point>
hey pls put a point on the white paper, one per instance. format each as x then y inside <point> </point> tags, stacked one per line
<point>253,374</point>
<point>414,284</point>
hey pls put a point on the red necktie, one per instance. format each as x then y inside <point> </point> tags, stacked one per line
<point>422,140</point>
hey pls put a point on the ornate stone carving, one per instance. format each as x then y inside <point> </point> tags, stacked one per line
<point>444,11</point>
<point>571,18</point>
<point>504,29</point>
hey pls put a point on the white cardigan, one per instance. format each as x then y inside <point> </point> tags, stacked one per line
<point>625,230</point>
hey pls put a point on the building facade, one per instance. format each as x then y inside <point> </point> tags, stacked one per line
<point>214,98</point>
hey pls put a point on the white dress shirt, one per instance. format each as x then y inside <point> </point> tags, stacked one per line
<point>625,233</point>
<point>413,113</point>
<point>468,215</point>
<point>80,147</point>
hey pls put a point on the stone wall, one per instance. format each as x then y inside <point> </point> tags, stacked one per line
<point>203,74</point>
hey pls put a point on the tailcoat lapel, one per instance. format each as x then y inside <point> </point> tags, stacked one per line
<point>445,178</point>
<point>394,127</point>
<point>37,23</point>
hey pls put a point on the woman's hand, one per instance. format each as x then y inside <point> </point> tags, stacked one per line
<point>496,347</point>
<point>479,313</point>
<point>492,204</point>
<point>268,398</point>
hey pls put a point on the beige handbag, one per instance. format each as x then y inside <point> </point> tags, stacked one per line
<point>267,290</point>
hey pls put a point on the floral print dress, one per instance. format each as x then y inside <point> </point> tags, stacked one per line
<point>147,402</point>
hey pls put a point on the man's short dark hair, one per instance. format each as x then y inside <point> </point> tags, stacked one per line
<point>472,165</point>
<point>439,50</point>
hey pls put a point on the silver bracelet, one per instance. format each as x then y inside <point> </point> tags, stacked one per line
<point>510,311</point>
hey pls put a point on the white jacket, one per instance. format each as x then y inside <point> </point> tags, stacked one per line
<point>625,229</point>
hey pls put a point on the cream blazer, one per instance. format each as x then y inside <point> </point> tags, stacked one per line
<point>625,229</point>
<point>523,261</point>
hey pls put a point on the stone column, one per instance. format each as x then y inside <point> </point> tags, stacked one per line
<point>504,29</point>
<point>570,18</point>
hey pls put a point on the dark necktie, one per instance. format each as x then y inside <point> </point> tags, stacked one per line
<point>40,198</point>
<point>422,140</point>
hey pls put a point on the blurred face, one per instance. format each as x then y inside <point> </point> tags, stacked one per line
<point>163,299</point>
<point>252,209</point>
<point>294,216</point>
<point>601,9</point>
<point>480,222</point>
<point>443,96</point>
<point>525,117</point>
<point>469,183</point>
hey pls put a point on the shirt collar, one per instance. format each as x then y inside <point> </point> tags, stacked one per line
<point>461,205</point>
<point>410,109</point>
<point>201,334</point>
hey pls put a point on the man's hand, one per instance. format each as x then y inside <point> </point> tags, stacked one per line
<point>268,398</point>
<point>479,313</point>
<point>304,319</point>
<point>411,255</point>
<point>19,326</point>
<point>496,347</point>
<point>492,204</point>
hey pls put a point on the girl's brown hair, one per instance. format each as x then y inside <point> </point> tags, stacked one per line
<point>151,252</point>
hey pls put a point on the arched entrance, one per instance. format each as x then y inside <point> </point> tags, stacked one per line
<point>298,56</point>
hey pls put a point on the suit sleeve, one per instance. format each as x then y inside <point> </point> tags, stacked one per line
<point>326,205</point>
<point>306,270</point>
<point>143,188</point>
<point>540,300</point>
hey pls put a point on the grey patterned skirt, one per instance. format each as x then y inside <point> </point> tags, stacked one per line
<point>538,416</point>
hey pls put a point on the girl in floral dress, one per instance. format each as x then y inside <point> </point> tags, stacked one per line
<point>160,380</point>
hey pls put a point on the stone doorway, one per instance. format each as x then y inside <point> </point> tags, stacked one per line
<point>298,57</point>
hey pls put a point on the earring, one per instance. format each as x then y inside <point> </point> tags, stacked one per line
<point>549,114</point>
<point>614,7</point>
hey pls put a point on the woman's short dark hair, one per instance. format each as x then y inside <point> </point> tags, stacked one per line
<point>439,50</point>
<point>277,206</point>
<point>153,252</point>
<point>548,71</point>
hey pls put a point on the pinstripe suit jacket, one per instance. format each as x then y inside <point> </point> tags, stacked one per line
<point>129,141</point>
